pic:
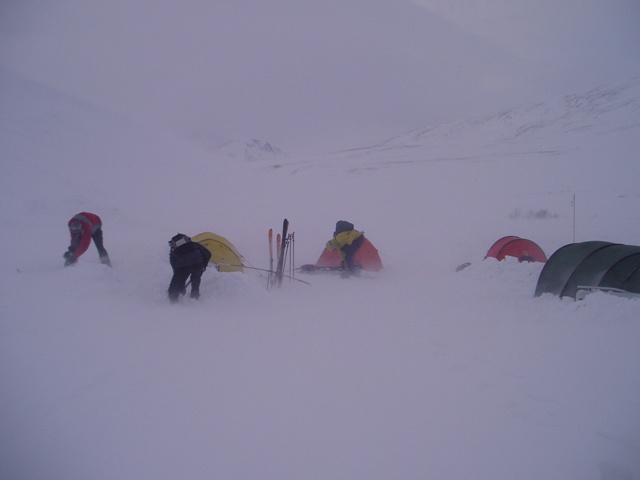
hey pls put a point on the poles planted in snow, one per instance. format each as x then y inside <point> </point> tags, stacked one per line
<point>284,248</point>
<point>574,217</point>
<point>281,254</point>
<point>270,277</point>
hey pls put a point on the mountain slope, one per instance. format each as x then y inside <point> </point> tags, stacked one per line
<point>573,120</point>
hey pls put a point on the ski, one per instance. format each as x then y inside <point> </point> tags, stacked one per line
<point>281,252</point>
<point>271,249</point>
<point>263,270</point>
<point>311,268</point>
<point>278,242</point>
<point>270,277</point>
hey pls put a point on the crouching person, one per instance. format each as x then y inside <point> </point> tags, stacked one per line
<point>346,240</point>
<point>188,259</point>
<point>83,228</point>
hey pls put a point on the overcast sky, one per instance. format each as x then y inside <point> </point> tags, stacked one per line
<point>332,72</point>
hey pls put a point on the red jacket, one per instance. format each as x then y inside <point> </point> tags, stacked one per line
<point>90,224</point>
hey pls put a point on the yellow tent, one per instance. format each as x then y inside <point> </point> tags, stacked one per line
<point>223,253</point>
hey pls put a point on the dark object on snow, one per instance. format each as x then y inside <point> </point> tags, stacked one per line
<point>311,268</point>
<point>590,264</point>
<point>511,246</point>
<point>188,259</point>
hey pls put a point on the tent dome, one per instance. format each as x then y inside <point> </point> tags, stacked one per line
<point>590,264</point>
<point>524,250</point>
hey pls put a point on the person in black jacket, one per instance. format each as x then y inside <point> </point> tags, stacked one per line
<point>187,258</point>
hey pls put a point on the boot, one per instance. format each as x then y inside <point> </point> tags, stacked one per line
<point>70,261</point>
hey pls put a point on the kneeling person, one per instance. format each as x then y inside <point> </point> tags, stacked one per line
<point>187,258</point>
<point>346,240</point>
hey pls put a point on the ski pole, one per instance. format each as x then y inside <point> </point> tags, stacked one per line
<point>261,270</point>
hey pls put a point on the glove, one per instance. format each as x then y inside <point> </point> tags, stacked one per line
<point>70,261</point>
<point>68,254</point>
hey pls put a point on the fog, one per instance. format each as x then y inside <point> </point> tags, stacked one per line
<point>326,74</point>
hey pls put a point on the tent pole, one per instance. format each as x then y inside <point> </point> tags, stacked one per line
<point>574,217</point>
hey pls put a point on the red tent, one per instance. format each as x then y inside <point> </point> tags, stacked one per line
<point>524,250</point>
<point>367,256</point>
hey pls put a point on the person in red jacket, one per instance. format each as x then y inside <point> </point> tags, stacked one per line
<point>83,227</point>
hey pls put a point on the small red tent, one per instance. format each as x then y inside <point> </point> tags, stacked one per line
<point>524,250</point>
<point>367,256</point>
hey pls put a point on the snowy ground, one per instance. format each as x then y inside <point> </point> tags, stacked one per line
<point>418,371</point>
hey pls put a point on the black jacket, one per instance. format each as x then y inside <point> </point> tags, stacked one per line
<point>189,255</point>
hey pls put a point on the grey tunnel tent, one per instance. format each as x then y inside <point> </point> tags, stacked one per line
<point>590,264</point>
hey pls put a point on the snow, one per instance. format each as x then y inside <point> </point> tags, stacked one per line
<point>417,371</point>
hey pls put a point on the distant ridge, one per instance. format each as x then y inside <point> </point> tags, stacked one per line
<point>252,149</point>
<point>598,111</point>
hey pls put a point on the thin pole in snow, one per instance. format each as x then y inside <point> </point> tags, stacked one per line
<point>574,217</point>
